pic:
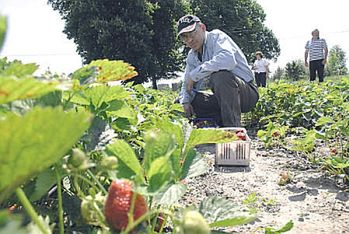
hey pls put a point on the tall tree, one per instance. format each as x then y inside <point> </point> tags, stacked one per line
<point>243,20</point>
<point>138,31</point>
<point>295,70</point>
<point>336,61</point>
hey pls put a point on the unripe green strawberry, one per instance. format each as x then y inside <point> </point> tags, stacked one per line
<point>194,223</point>
<point>90,208</point>
<point>78,160</point>
<point>118,204</point>
<point>109,163</point>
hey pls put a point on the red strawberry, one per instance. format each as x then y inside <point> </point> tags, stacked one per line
<point>119,202</point>
<point>241,135</point>
<point>276,134</point>
<point>333,151</point>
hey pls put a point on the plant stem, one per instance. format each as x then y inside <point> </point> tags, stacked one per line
<point>138,221</point>
<point>97,182</point>
<point>85,180</point>
<point>60,202</point>
<point>145,217</point>
<point>77,187</point>
<point>30,210</point>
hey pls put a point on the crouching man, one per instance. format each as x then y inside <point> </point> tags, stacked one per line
<point>218,83</point>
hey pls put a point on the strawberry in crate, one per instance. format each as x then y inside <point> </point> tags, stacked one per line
<point>204,123</point>
<point>241,134</point>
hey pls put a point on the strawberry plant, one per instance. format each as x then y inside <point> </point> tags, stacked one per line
<point>319,111</point>
<point>87,135</point>
<point>273,135</point>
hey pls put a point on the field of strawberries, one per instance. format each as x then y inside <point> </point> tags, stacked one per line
<point>92,154</point>
<point>80,155</point>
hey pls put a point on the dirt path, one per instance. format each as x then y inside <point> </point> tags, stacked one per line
<point>312,199</point>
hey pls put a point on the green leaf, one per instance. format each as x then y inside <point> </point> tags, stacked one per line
<point>12,89</point>
<point>128,163</point>
<point>320,135</point>
<point>159,174</point>
<point>194,165</point>
<point>323,121</point>
<point>306,144</point>
<point>288,226</point>
<point>220,212</point>
<point>104,70</point>
<point>204,136</point>
<point>121,124</point>
<point>19,70</point>
<point>176,129</point>
<point>120,109</point>
<point>43,182</point>
<point>33,142</point>
<point>98,136</point>
<point>52,99</point>
<point>97,95</point>
<point>157,144</point>
<point>235,221</point>
<point>170,194</point>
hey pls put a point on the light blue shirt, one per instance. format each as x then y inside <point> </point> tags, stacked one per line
<point>220,52</point>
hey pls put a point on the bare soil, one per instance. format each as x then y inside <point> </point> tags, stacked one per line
<point>314,200</point>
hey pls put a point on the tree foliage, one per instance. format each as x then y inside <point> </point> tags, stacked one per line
<point>143,32</point>
<point>336,61</point>
<point>295,70</point>
<point>138,31</point>
<point>278,74</point>
<point>243,20</point>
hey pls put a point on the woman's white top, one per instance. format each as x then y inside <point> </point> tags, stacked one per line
<point>261,65</point>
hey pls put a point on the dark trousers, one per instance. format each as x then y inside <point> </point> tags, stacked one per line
<point>231,97</point>
<point>261,78</point>
<point>316,66</point>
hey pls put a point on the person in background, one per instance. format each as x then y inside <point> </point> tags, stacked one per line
<point>261,69</point>
<point>317,50</point>
<point>218,83</point>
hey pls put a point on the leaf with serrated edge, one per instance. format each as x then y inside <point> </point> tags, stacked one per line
<point>12,89</point>
<point>159,174</point>
<point>43,182</point>
<point>204,136</point>
<point>33,142</point>
<point>194,165</point>
<point>220,212</point>
<point>128,163</point>
<point>170,194</point>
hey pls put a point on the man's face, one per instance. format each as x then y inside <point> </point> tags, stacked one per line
<point>194,39</point>
<point>315,33</point>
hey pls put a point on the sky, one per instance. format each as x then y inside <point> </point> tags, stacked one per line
<point>35,31</point>
<point>293,20</point>
<point>34,34</point>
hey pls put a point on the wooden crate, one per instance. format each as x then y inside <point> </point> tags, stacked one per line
<point>235,153</point>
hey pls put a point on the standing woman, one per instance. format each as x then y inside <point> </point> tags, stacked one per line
<point>317,50</point>
<point>261,69</point>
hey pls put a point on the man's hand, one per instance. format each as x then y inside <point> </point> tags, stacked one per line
<point>324,61</point>
<point>188,109</point>
<point>306,64</point>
